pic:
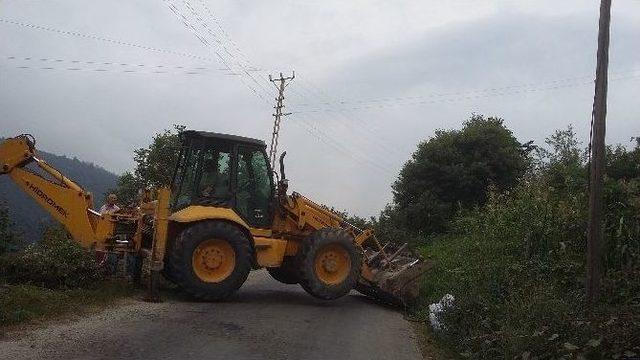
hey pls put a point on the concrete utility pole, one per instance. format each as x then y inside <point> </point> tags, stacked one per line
<point>283,83</point>
<point>596,169</point>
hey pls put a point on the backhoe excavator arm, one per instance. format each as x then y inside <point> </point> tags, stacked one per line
<point>65,200</point>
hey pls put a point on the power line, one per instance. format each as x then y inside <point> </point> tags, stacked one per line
<point>358,152</point>
<point>105,39</point>
<point>371,149</point>
<point>192,28</point>
<point>225,34</point>
<point>243,72</point>
<point>447,94</point>
<point>364,126</point>
<point>222,59</point>
<point>339,147</point>
<point>352,136</point>
<point>104,66</point>
<point>204,25</point>
<point>462,93</point>
<point>185,21</point>
<point>470,96</point>
<point>216,37</point>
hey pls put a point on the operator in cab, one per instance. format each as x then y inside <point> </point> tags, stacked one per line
<point>111,206</point>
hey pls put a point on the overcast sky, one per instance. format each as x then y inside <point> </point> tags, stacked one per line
<point>95,79</point>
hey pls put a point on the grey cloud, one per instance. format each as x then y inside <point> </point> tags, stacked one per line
<point>492,52</point>
<point>102,117</point>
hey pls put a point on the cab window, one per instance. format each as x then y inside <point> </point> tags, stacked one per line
<point>253,188</point>
<point>204,177</point>
<point>215,178</point>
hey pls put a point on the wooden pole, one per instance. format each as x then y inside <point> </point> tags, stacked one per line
<point>596,170</point>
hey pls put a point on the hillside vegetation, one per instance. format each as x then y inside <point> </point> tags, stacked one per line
<point>512,251</point>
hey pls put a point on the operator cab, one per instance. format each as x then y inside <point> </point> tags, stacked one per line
<point>224,171</point>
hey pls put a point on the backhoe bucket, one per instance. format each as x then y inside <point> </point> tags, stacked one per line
<point>392,275</point>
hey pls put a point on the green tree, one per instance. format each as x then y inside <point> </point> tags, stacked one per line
<point>9,240</point>
<point>623,164</point>
<point>454,170</point>
<point>154,167</point>
<point>127,187</point>
<point>156,163</point>
<point>563,162</point>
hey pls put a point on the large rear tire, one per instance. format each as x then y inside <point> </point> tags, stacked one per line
<point>211,260</point>
<point>287,273</point>
<point>329,263</point>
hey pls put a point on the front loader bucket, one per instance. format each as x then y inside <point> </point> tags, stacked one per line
<point>392,279</point>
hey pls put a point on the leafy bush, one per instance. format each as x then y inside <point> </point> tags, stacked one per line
<point>55,262</point>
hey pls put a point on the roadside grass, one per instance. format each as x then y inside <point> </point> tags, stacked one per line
<point>431,346</point>
<point>23,303</point>
<point>510,314</point>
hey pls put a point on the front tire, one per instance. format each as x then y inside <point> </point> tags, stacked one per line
<point>329,263</point>
<point>211,260</point>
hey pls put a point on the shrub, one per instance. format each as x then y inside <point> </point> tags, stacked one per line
<point>516,267</point>
<point>55,262</point>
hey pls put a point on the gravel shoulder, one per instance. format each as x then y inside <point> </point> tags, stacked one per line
<point>266,320</point>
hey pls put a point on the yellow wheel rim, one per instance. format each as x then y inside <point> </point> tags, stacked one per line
<point>332,264</point>
<point>213,260</point>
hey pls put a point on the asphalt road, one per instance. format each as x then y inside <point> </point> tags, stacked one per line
<point>266,320</point>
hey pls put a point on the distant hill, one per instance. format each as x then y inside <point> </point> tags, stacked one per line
<point>30,218</point>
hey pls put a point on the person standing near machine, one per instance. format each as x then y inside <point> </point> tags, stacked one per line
<point>111,206</point>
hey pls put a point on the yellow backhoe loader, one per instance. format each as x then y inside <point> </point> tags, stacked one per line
<point>225,214</point>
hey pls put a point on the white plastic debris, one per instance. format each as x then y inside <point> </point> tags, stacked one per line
<point>436,309</point>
